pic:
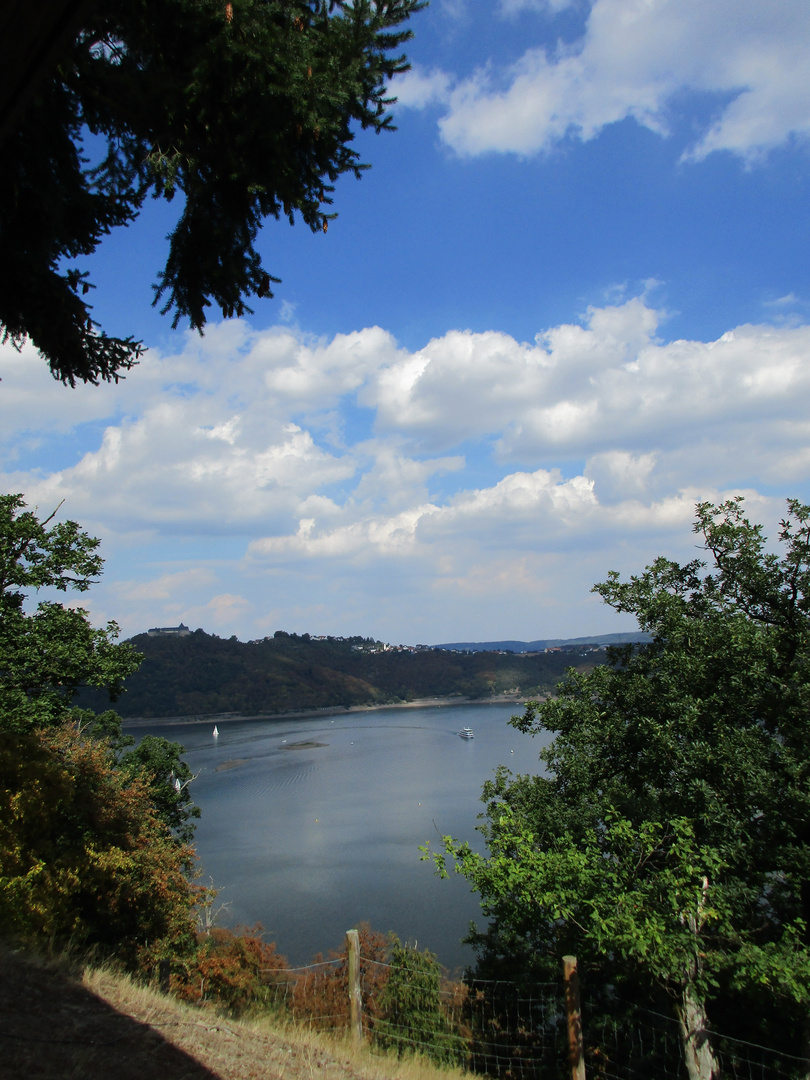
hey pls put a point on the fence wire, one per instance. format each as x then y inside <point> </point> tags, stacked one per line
<point>511,1031</point>
<point>648,1044</point>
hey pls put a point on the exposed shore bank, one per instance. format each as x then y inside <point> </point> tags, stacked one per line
<point>328,710</point>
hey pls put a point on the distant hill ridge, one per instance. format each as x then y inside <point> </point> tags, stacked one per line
<point>201,674</point>
<point>544,643</point>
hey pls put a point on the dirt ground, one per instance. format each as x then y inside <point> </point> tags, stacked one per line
<point>58,1023</point>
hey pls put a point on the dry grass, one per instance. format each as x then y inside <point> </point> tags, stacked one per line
<point>61,1021</point>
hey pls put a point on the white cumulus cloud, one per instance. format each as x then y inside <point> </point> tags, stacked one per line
<point>634,59</point>
<point>227,486</point>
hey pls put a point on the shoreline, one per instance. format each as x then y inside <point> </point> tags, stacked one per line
<point>327,710</point>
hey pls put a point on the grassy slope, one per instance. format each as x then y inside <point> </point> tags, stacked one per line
<point>63,1023</point>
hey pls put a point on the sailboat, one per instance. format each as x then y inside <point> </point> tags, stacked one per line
<point>216,731</point>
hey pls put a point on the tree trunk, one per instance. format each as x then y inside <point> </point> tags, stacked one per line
<point>576,1059</point>
<point>701,1064</point>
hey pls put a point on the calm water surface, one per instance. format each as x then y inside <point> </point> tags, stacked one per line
<point>310,840</point>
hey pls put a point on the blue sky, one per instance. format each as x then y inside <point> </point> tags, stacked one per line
<point>569,300</point>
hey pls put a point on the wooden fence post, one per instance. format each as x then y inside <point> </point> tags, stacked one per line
<point>355,997</point>
<point>576,1056</point>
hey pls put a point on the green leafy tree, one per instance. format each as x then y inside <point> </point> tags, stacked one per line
<point>159,762</point>
<point>668,843</point>
<point>49,655</point>
<point>46,656</point>
<point>411,1019</point>
<point>245,109</point>
<point>93,835</point>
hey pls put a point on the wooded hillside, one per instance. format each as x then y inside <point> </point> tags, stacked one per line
<point>201,673</point>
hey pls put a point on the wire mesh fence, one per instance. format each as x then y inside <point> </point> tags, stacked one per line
<point>513,1031</point>
<point>647,1043</point>
<point>508,1030</point>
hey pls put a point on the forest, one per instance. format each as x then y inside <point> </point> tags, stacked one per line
<point>202,674</point>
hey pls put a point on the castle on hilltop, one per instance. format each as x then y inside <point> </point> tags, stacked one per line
<point>174,631</point>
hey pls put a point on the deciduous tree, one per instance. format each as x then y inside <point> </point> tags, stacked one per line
<point>84,855</point>
<point>48,654</point>
<point>411,1019</point>
<point>668,842</point>
<point>234,969</point>
<point>93,836</point>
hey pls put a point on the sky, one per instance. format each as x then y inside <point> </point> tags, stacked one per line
<point>569,300</point>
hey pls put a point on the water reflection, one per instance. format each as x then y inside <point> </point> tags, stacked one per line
<point>311,839</point>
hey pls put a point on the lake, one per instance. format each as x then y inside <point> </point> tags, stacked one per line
<point>310,840</point>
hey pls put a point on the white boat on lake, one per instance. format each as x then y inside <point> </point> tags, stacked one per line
<point>466,733</point>
<point>216,730</point>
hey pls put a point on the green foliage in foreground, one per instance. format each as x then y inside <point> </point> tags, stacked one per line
<point>411,1019</point>
<point>668,843</point>
<point>47,655</point>
<point>84,856</point>
<point>401,988</point>
<point>93,834</point>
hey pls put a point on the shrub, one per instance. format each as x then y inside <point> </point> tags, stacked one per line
<point>83,855</point>
<point>234,969</point>
<point>411,1015</point>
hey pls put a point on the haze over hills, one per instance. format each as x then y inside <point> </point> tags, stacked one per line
<point>543,643</point>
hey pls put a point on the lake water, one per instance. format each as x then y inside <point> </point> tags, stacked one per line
<point>311,840</point>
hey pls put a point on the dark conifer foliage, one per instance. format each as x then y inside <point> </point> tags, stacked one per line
<point>246,110</point>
